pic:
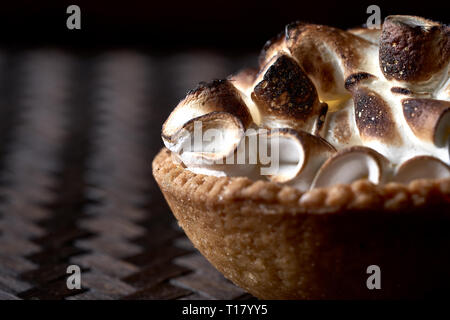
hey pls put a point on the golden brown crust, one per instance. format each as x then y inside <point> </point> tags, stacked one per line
<point>279,243</point>
<point>234,189</point>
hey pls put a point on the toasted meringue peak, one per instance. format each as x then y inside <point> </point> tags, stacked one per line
<point>422,167</point>
<point>218,95</point>
<point>208,139</point>
<point>356,79</point>
<point>287,98</point>
<point>353,164</point>
<point>243,160</point>
<point>244,80</point>
<point>374,117</point>
<point>329,55</point>
<point>300,156</point>
<point>413,49</point>
<point>271,48</point>
<point>371,35</point>
<point>429,119</point>
<point>340,127</point>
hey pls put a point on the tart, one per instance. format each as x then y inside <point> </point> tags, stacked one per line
<point>296,179</point>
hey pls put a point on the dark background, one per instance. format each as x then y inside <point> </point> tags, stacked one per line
<point>173,25</point>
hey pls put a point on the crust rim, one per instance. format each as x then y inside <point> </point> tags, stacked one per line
<point>210,191</point>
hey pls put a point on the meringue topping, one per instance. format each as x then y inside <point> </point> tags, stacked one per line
<point>422,167</point>
<point>218,95</point>
<point>208,139</point>
<point>413,50</point>
<point>329,55</point>
<point>338,106</point>
<point>285,97</point>
<point>429,119</point>
<point>301,155</point>
<point>353,164</point>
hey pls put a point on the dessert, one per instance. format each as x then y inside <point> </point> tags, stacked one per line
<point>333,156</point>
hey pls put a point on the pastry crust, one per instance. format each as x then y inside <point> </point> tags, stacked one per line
<point>279,243</point>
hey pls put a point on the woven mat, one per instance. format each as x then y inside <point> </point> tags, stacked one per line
<point>77,136</point>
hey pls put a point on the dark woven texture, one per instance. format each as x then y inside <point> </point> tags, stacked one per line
<point>78,133</point>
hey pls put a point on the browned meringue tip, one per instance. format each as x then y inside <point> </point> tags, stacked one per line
<point>300,155</point>
<point>244,79</point>
<point>374,117</point>
<point>354,80</point>
<point>286,95</point>
<point>217,95</point>
<point>327,55</point>
<point>429,119</point>
<point>271,48</point>
<point>401,91</point>
<point>413,49</point>
<point>207,150</point>
<point>352,164</point>
<point>371,35</point>
<point>421,167</point>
